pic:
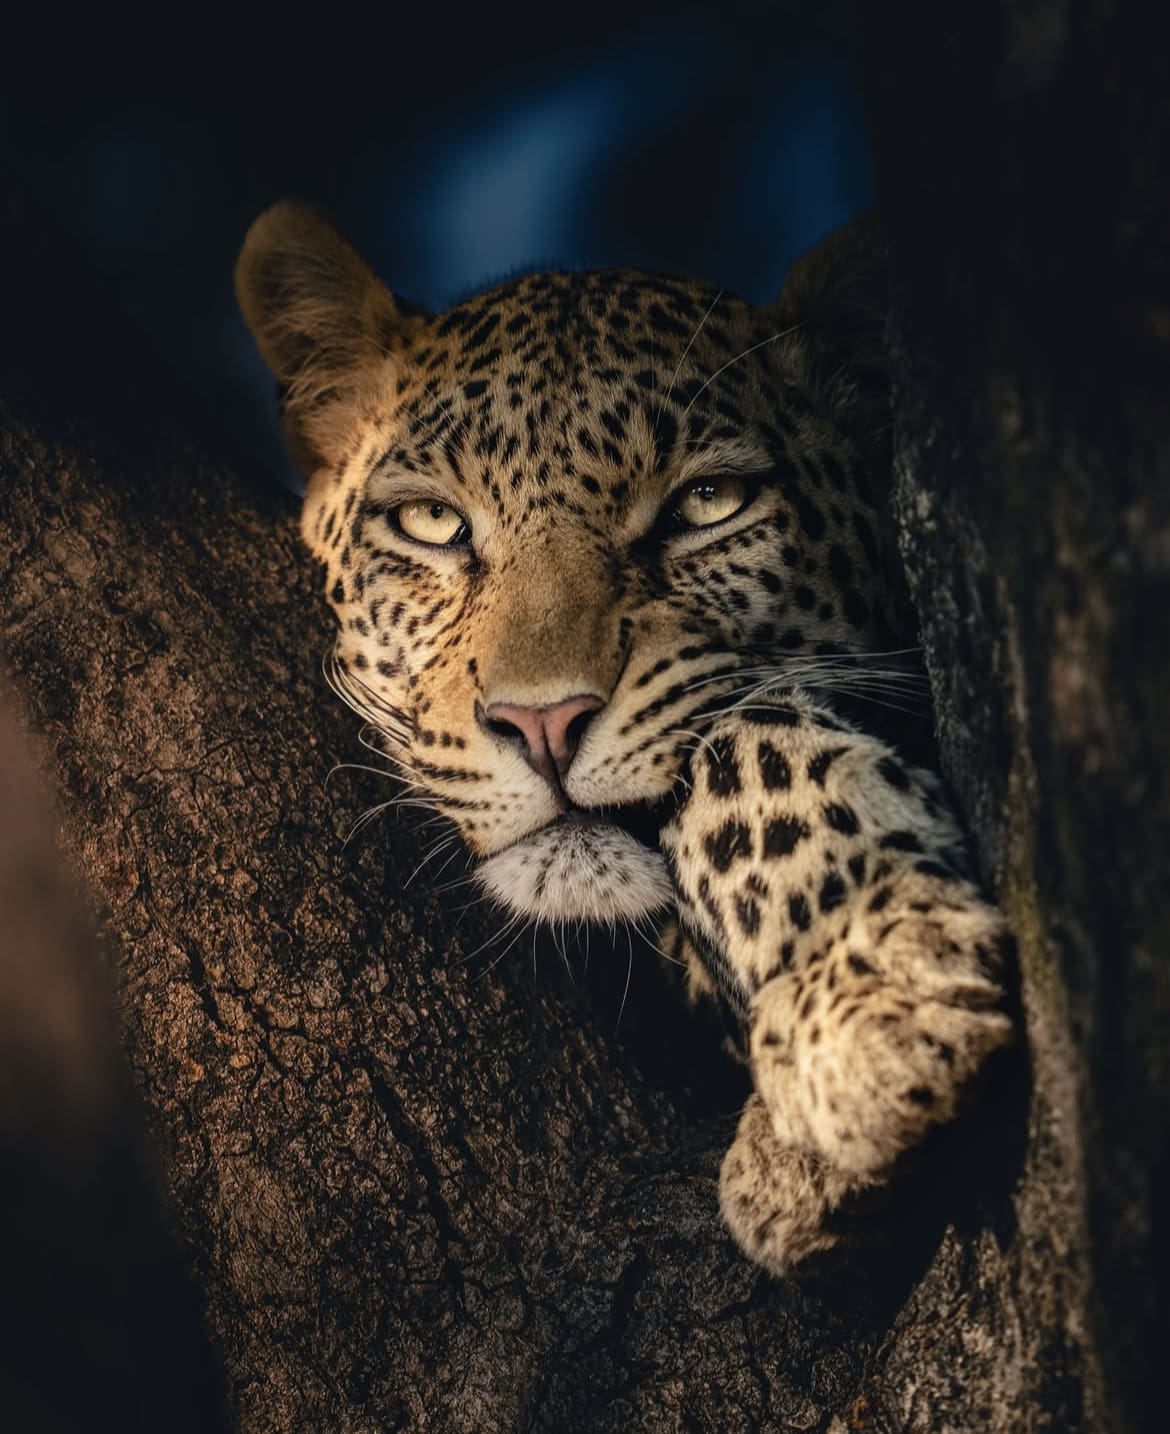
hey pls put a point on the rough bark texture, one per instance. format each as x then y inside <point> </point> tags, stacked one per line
<point>1024,169</point>
<point>422,1191</point>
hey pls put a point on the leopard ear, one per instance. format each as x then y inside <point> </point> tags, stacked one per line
<point>836,298</point>
<point>324,323</point>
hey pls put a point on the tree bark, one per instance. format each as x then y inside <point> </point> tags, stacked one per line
<point>1023,157</point>
<point>422,1189</point>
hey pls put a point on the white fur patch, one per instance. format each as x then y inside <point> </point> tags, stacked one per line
<point>578,871</point>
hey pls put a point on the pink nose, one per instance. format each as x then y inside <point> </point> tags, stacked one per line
<point>548,737</point>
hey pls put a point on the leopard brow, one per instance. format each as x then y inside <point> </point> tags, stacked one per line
<point>721,458</point>
<point>389,482</point>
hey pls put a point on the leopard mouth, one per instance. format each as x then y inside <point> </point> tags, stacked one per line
<point>642,820</point>
<point>589,864</point>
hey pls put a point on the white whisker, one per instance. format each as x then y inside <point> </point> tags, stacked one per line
<point>724,367</point>
<point>629,973</point>
<point>683,357</point>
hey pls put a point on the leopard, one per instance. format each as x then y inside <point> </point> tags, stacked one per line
<point>613,565</point>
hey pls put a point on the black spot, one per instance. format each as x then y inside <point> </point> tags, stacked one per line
<point>731,841</point>
<point>894,773</point>
<point>456,319</point>
<point>920,1095</point>
<point>481,335</point>
<point>775,773</point>
<point>857,869</point>
<point>769,580</point>
<point>748,915</point>
<point>782,836</point>
<point>711,906</point>
<point>664,664</point>
<point>900,841</point>
<point>338,593</point>
<point>881,899</point>
<point>792,638</point>
<point>473,390</point>
<point>841,818</point>
<point>934,868</point>
<point>665,323</point>
<point>722,769</point>
<point>832,892</point>
<point>859,965</point>
<point>482,361</point>
<point>819,765</point>
<point>800,912</point>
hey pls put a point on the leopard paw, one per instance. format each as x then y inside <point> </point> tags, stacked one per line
<point>778,1201</point>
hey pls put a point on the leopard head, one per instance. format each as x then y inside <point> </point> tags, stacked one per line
<point>566,521</point>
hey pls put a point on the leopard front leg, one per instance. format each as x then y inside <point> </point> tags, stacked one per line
<point>876,1037</point>
<point>823,882</point>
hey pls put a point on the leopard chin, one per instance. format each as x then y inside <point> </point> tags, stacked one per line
<point>578,871</point>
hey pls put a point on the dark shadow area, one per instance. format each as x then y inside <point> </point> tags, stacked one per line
<point>718,142</point>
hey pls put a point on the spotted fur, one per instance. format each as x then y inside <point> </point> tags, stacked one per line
<point>824,887</point>
<point>560,416</point>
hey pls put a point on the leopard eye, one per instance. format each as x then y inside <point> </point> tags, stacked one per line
<point>426,520</point>
<point>707,501</point>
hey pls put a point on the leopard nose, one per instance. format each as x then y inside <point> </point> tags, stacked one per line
<point>547,737</point>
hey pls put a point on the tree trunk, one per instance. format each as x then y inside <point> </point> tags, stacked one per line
<point>424,1189</point>
<point>1024,167</point>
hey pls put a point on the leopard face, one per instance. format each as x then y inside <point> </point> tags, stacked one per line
<point>566,522</point>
